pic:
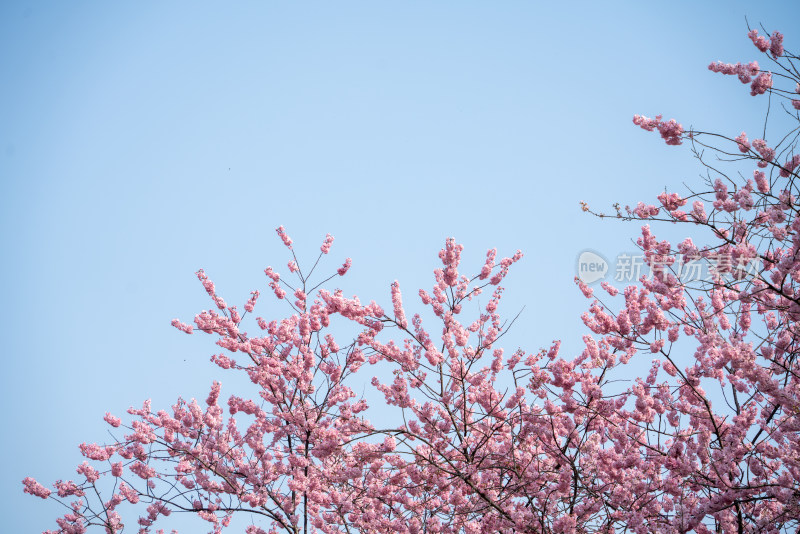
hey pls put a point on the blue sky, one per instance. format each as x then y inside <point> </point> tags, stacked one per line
<point>142,141</point>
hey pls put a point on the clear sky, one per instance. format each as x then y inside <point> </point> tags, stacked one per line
<point>140,141</point>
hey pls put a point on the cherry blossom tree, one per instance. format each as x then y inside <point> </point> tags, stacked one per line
<point>486,440</point>
<point>307,460</point>
<point>712,434</point>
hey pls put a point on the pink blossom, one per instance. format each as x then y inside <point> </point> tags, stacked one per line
<point>251,302</point>
<point>721,194</point>
<point>611,290</point>
<point>743,198</point>
<point>301,298</point>
<point>790,165</point>
<point>326,245</point>
<point>116,469</point>
<point>671,131</point>
<point>182,326</point>
<point>761,42</point>
<point>397,303</point>
<point>142,470</point>
<point>587,291</point>
<point>34,488</point>
<point>767,154</point>
<point>131,495</point>
<point>451,256</point>
<point>645,211</point>
<point>223,361</point>
<point>345,267</point>
<point>761,84</point>
<point>698,211</point>
<point>111,420</point>
<point>280,293</point>
<point>744,144</point>
<point>743,72</point>
<point>96,452</point>
<point>207,284</point>
<point>671,201</point>
<point>89,472</point>
<point>486,270</point>
<point>272,274</point>
<point>213,396</point>
<point>776,44</point>
<point>284,237</point>
<point>761,181</point>
<point>68,488</point>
